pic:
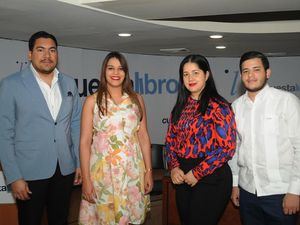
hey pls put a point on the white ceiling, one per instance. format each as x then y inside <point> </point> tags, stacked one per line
<point>94,25</point>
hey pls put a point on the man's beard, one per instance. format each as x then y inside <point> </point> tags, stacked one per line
<point>257,88</point>
<point>48,71</point>
<point>44,70</point>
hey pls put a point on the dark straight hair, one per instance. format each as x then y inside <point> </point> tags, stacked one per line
<point>37,35</point>
<point>209,91</point>
<point>253,55</point>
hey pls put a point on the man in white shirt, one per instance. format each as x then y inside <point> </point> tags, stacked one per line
<point>266,166</point>
<point>39,134</point>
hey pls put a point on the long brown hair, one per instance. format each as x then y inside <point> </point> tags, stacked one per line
<point>126,85</point>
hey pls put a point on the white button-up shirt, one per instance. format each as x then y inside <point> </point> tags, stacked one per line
<point>267,160</point>
<point>51,94</point>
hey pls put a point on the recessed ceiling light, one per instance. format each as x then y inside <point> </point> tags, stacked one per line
<point>220,47</point>
<point>274,54</point>
<point>124,35</point>
<point>216,36</point>
<point>174,50</point>
<point>95,1</point>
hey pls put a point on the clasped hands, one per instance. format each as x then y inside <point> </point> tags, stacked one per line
<point>178,177</point>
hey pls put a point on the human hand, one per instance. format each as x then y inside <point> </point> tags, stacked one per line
<point>290,204</point>
<point>235,196</point>
<point>20,189</point>
<point>78,177</point>
<point>177,176</point>
<point>190,179</point>
<point>88,191</point>
<point>148,180</point>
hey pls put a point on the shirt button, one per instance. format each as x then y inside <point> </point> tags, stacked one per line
<point>55,123</point>
<point>54,140</point>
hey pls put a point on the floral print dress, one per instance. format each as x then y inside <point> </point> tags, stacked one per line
<point>116,168</point>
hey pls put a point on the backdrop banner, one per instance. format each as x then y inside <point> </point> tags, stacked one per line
<point>154,77</point>
<point>5,195</point>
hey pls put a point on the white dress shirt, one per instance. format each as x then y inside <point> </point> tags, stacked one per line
<point>51,94</point>
<point>267,159</point>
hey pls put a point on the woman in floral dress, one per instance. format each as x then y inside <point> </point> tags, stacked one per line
<point>114,150</point>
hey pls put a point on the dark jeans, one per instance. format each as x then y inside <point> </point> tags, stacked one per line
<point>54,193</point>
<point>265,210</point>
<point>206,201</point>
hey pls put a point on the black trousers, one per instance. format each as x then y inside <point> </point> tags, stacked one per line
<point>206,201</point>
<point>54,194</point>
<point>264,210</point>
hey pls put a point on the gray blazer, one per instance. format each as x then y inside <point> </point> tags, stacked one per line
<point>31,142</point>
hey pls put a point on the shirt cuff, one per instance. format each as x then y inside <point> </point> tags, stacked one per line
<point>235,180</point>
<point>196,175</point>
<point>173,164</point>
<point>294,188</point>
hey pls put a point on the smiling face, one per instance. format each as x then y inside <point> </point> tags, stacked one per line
<point>194,79</point>
<point>114,73</point>
<point>44,56</point>
<point>254,76</point>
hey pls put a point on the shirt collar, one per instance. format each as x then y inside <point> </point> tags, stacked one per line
<point>260,95</point>
<point>192,100</point>
<point>37,76</point>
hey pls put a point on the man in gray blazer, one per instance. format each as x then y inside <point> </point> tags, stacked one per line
<point>39,134</point>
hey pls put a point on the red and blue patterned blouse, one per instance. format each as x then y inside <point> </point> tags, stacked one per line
<point>211,137</point>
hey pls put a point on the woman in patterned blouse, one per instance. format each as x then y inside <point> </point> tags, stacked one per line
<point>201,139</point>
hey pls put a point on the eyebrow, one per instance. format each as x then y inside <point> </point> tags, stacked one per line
<point>113,66</point>
<point>192,70</point>
<point>52,47</point>
<point>255,67</point>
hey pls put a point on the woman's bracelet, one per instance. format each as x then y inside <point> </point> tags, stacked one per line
<point>148,170</point>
